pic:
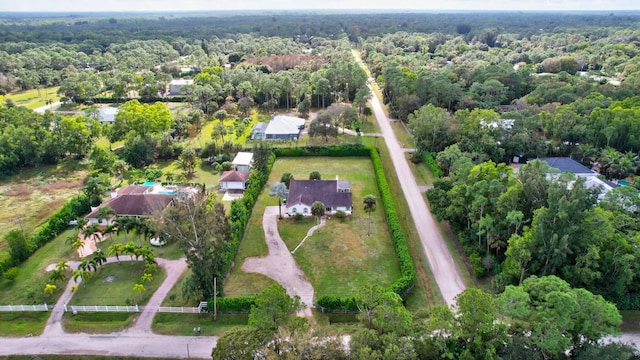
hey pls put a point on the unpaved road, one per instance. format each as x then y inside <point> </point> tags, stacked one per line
<point>443,267</point>
<point>279,264</point>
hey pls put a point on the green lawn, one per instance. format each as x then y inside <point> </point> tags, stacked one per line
<point>183,324</point>
<point>174,296</point>
<point>340,258</point>
<point>28,287</point>
<point>97,322</point>
<point>34,98</point>
<point>402,135</point>
<point>112,284</point>
<point>22,323</point>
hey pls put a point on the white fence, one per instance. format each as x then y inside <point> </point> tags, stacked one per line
<point>188,310</point>
<point>102,308</point>
<point>44,307</point>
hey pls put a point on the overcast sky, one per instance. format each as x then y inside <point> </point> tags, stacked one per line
<point>189,5</point>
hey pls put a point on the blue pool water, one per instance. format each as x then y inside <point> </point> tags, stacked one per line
<point>166,192</point>
<point>623,183</point>
<point>148,183</point>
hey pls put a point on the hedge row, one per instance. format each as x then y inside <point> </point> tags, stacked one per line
<point>56,224</point>
<point>110,100</point>
<point>334,151</point>
<point>404,284</point>
<point>240,304</point>
<point>432,164</point>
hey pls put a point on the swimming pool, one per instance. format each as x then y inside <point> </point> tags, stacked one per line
<point>166,192</point>
<point>623,183</point>
<point>148,183</point>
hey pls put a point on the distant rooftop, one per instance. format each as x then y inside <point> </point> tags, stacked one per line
<point>283,124</point>
<point>243,158</point>
<point>565,164</point>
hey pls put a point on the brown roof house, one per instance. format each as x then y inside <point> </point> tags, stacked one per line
<point>133,200</point>
<point>334,194</point>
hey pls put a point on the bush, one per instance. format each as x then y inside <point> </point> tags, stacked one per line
<point>240,304</point>
<point>432,164</point>
<point>11,274</point>
<point>298,216</point>
<point>341,215</point>
<point>477,265</point>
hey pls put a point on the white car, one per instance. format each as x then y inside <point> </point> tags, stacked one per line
<point>157,242</point>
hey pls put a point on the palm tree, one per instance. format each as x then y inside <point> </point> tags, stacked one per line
<point>78,244</point>
<point>115,250</point>
<point>99,258</point>
<point>63,266</point>
<point>57,275</point>
<point>129,249</point>
<point>188,161</point>
<point>92,231</point>
<point>370,202</point>
<point>279,190</point>
<point>105,213</point>
<point>124,224</point>
<point>317,209</point>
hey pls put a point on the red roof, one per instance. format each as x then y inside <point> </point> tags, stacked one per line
<point>234,176</point>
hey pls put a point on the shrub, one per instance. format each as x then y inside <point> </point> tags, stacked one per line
<point>298,216</point>
<point>11,274</point>
<point>477,265</point>
<point>432,164</point>
<point>341,215</point>
<point>240,304</point>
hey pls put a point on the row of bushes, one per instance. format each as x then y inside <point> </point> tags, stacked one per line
<point>404,284</point>
<point>432,164</point>
<point>56,224</point>
<point>111,100</point>
<point>240,304</point>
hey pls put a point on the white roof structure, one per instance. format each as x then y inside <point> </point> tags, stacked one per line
<point>282,125</point>
<point>243,158</point>
<point>181,82</point>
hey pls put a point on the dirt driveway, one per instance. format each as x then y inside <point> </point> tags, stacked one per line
<point>279,265</point>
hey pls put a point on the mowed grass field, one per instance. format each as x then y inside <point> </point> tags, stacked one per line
<point>34,98</point>
<point>339,259</point>
<point>31,197</point>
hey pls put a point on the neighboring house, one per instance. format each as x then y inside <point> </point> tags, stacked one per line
<point>565,164</point>
<point>234,180</point>
<point>280,127</point>
<point>334,194</point>
<point>243,161</point>
<point>177,84</point>
<point>258,131</point>
<point>133,200</point>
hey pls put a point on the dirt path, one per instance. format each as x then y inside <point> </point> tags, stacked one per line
<point>444,269</point>
<point>174,269</point>
<point>279,265</point>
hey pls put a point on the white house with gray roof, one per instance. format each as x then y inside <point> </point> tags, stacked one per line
<point>281,127</point>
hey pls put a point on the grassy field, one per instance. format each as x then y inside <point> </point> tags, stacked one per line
<point>340,258</point>
<point>30,197</point>
<point>112,284</point>
<point>28,287</point>
<point>97,322</point>
<point>183,324</point>
<point>34,98</point>
<point>22,323</point>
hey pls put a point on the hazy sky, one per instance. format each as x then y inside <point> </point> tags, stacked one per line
<point>187,5</point>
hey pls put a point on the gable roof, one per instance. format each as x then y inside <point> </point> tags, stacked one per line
<point>259,127</point>
<point>234,176</point>
<point>135,204</point>
<point>282,125</point>
<point>243,158</point>
<point>565,164</point>
<point>326,191</point>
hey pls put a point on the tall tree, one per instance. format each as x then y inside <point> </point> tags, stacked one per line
<point>370,203</point>
<point>200,227</point>
<point>280,191</point>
